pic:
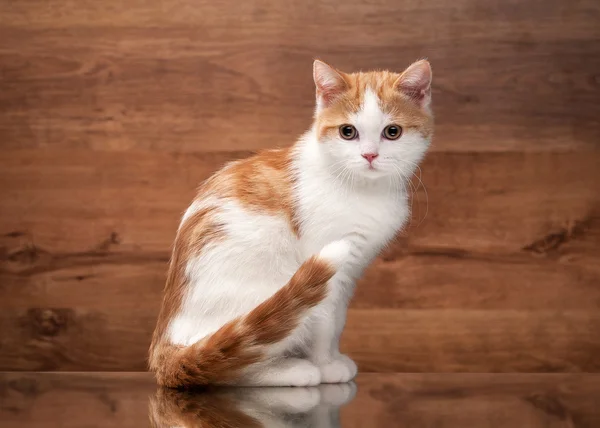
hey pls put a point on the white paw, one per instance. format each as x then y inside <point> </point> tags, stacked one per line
<point>336,252</point>
<point>340,370</point>
<point>303,375</point>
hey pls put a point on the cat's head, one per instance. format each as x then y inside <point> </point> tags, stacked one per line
<point>373,124</point>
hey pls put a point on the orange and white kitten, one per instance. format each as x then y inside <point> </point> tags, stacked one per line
<point>267,255</point>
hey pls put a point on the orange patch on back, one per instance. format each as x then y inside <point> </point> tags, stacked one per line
<point>262,183</point>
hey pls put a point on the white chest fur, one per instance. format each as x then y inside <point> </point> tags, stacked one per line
<point>368,214</point>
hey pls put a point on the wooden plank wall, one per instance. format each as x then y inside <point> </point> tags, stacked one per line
<point>111,112</point>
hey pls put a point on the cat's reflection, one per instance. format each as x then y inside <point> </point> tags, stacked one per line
<point>251,407</point>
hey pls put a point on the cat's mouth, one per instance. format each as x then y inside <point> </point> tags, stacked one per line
<point>374,171</point>
<point>371,166</point>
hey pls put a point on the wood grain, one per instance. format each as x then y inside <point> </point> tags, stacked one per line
<point>178,76</point>
<point>380,340</point>
<point>459,400</point>
<point>94,231</point>
<point>83,228</point>
<point>84,201</point>
<point>123,282</point>
<point>75,399</point>
<point>401,400</point>
<point>502,262</point>
<point>473,341</point>
<point>112,113</point>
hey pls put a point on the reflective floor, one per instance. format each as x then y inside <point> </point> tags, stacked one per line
<point>375,400</point>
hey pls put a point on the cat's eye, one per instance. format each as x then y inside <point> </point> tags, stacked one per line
<point>392,132</point>
<point>348,132</point>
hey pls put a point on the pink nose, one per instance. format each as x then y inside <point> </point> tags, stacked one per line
<point>370,156</point>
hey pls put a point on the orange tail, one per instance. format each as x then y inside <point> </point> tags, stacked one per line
<point>220,357</point>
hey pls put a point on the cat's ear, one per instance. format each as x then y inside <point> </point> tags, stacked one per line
<point>415,83</point>
<point>329,82</point>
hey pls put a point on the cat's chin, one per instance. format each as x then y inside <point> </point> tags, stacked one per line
<point>373,173</point>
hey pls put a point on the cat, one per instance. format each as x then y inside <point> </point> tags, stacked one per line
<point>266,257</point>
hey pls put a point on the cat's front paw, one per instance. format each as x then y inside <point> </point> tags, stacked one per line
<point>340,370</point>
